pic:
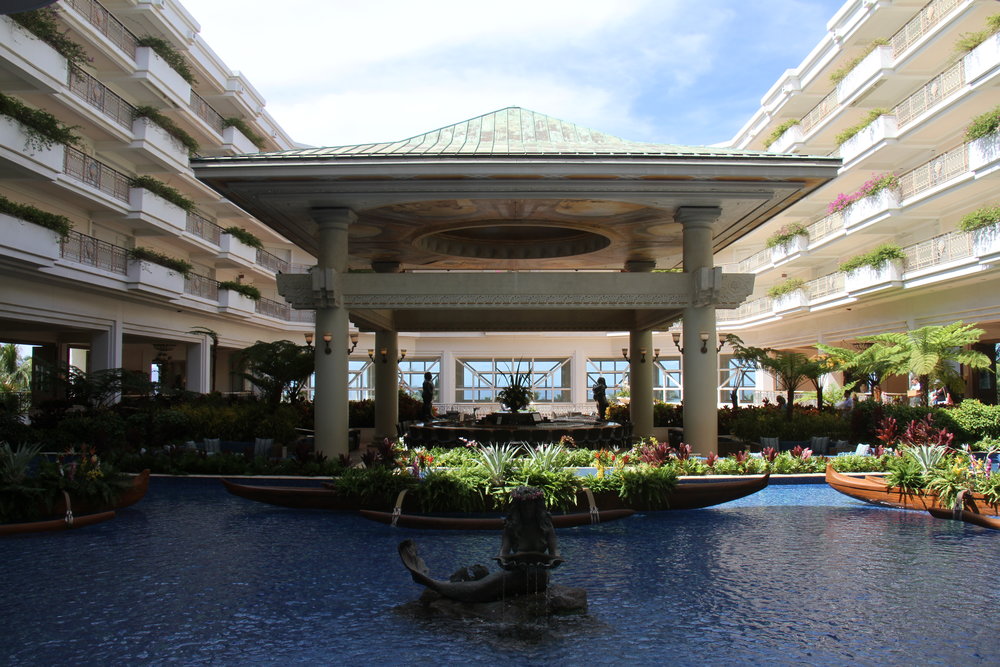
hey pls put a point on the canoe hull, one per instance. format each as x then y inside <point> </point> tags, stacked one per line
<point>876,492</point>
<point>968,517</point>
<point>54,524</point>
<point>487,523</point>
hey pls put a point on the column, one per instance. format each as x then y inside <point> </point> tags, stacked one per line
<point>331,397</point>
<point>386,384</point>
<point>199,365</point>
<point>700,360</point>
<point>640,368</point>
<point>106,348</point>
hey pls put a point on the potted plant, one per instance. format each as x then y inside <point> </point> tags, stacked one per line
<point>517,394</point>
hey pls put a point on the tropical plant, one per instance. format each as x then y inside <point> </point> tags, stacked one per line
<point>789,369</point>
<point>874,185</point>
<point>57,223</point>
<point>869,362</point>
<point>981,217</point>
<point>785,234</point>
<point>786,287</point>
<point>153,115</point>
<point>43,130</point>
<point>170,55</point>
<point>164,191</point>
<point>930,352</point>
<point>249,291</point>
<point>839,74</point>
<point>15,372</point>
<point>517,394</point>
<point>43,24</point>
<point>245,130</point>
<point>498,461</point>
<point>850,132</point>
<point>181,266</point>
<point>983,125</point>
<point>245,237</point>
<point>546,457</point>
<point>906,473</point>
<point>279,369</point>
<point>875,259</point>
<point>14,463</point>
<point>780,130</point>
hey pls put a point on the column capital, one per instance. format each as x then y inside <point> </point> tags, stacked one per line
<point>696,216</point>
<point>333,216</point>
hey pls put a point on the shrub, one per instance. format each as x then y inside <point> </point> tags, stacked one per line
<point>981,217</point>
<point>867,415</point>
<point>164,191</point>
<point>850,132</point>
<point>875,259</point>
<point>165,50</point>
<point>785,234</point>
<point>970,40</point>
<point>170,127</point>
<point>786,287</point>
<point>838,74</point>
<point>983,125</point>
<point>244,237</point>
<point>780,130</point>
<point>248,291</point>
<point>42,24</point>
<point>43,129</point>
<point>245,129</point>
<point>976,420</point>
<point>146,254</point>
<point>753,423</point>
<point>57,223</point>
<point>871,187</point>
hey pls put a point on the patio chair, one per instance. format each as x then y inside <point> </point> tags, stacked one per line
<point>863,450</point>
<point>770,442</point>
<point>262,447</point>
<point>212,446</point>
<point>819,444</point>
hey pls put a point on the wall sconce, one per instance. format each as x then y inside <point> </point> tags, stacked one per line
<point>384,353</point>
<point>309,339</point>
<point>677,341</point>
<point>642,354</point>
<point>402,355</point>
<point>354,342</point>
<point>722,342</point>
<point>704,336</point>
<point>327,337</point>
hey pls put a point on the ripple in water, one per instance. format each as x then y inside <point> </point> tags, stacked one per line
<point>794,574</point>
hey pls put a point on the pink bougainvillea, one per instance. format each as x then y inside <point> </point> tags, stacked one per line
<point>872,186</point>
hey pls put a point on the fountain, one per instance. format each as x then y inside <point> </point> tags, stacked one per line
<point>520,589</point>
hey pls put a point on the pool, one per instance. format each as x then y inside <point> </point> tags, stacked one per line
<point>794,574</point>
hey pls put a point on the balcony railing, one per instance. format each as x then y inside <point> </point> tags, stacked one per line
<point>271,262</point>
<point>93,172</point>
<point>819,112</point>
<point>921,24</point>
<point>942,168</point>
<point>202,286</point>
<point>825,226</point>
<point>204,228</point>
<point>107,24</point>
<point>932,92</point>
<point>825,285</point>
<point>204,110</point>
<point>939,250</point>
<point>275,309</point>
<point>99,96</point>
<point>88,250</point>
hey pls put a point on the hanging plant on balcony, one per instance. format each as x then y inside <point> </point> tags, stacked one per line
<point>42,24</point>
<point>780,130</point>
<point>838,75</point>
<point>981,217</point>
<point>785,234</point>
<point>57,223</point>
<point>42,128</point>
<point>249,291</point>
<point>156,257</point>
<point>850,132</point>
<point>164,191</point>
<point>166,50</point>
<point>153,115</point>
<point>245,130</point>
<point>871,187</point>
<point>875,259</point>
<point>786,287</point>
<point>244,237</point>
<point>970,40</point>
<point>983,125</point>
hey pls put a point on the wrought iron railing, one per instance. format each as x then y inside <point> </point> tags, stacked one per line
<point>942,168</point>
<point>939,250</point>
<point>99,96</point>
<point>275,309</point>
<point>106,23</point>
<point>204,228</point>
<point>202,286</point>
<point>921,24</point>
<point>825,285</point>
<point>204,110</point>
<point>754,261</point>
<point>930,93</point>
<point>95,173</point>
<point>271,262</point>
<point>819,112</point>
<point>83,249</point>
<point>825,226</point>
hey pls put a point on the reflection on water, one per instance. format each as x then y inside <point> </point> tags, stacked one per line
<point>794,574</point>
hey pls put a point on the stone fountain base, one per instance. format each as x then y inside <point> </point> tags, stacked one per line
<point>556,601</point>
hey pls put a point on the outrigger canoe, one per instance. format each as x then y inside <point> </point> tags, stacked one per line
<point>688,494</point>
<point>968,517</point>
<point>66,523</point>
<point>488,523</point>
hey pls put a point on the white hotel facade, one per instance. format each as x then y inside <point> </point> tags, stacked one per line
<point>81,299</point>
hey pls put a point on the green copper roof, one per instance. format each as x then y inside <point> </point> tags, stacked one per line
<point>508,132</point>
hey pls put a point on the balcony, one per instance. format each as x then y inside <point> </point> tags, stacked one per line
<point>154,280</point>
<point>920,25</point>
<point>272,262</point>
<point>234,303</point>
<point>159,145</point>
<point>20,159</point>
<point>234,252</point>
<point>35,62</point>
<point>89,251</point>
<point>789,250</point>
<point>935,173</point>
<point>826,228</point>
<point>788,142</point>
<point>867,279</point>
<point>275,309</point>
<point>155,211</point>
<point>982,59</point>
<point>27,242</point>
<point>930,95</point>
<point>95,174</point>
<point>865,74</point>
<point>793,301</point>
<point>201,286</point>
<point>106,24</point>
<point>233,140</point>
<point>204,228</point>
<point>986,243</point>
<point>203,110</point>
<point>984,153</point>
<point>99,96</point>
<point>870,210</point>
<point>879,132</point>
<point>167,83</point>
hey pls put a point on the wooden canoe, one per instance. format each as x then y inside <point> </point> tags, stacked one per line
<point>488,523</point>
<point>969,517</point>
<point>686,495</point>
<point>876,492</point>
<point>54,524</point>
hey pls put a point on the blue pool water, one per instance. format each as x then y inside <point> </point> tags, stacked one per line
<point>792,575</point>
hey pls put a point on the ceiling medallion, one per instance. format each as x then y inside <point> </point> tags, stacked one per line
<point>506,240</point>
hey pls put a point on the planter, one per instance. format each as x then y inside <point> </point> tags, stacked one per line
<point>982,59</point>
<point>984,152</point>
<point>787,141</point>
<point>236,251</point>
<point>27,242</point>
<point>234,140</point>
<point>883,128</point>
<point>867,279</point>
<point>24,160</point>
<point>37,62</point>
<point>794,300</point>
<point>865,73</point>
<point>870,209</point>
<point>153,279</point>
<point>154,70</point>
<point>158,143</point>
<point>795,245</point>
<point>156,211</point>
<point>986,243</point>
<point>235,303</point>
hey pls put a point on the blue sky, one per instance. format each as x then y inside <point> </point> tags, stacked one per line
<point>341,72</point>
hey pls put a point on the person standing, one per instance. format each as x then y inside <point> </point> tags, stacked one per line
<point>601,396</point>
<point>427,394</point>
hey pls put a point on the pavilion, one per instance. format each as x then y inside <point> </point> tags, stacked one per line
<point>515,221</point>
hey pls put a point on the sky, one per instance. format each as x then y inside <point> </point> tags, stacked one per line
<point>339,72</point>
